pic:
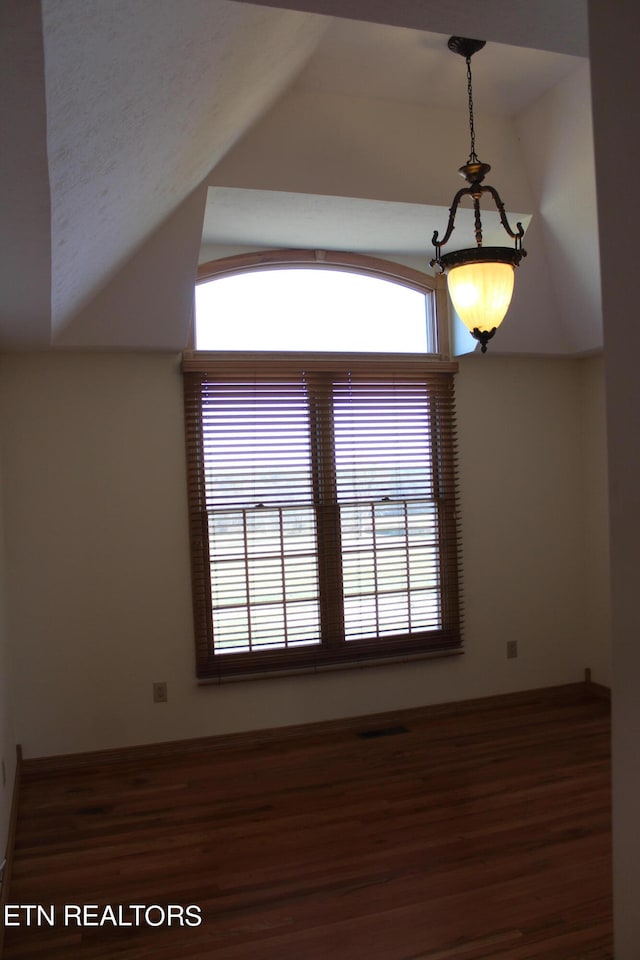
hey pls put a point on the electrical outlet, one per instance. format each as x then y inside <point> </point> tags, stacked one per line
<point>512,649</point>
<point>160,693</point>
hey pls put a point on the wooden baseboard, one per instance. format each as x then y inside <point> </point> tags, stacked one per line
<point>13,820</point>
<point>572,691</point>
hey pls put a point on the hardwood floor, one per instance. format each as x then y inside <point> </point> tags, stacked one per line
<point>477,833</point>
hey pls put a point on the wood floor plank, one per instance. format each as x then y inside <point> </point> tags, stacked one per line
<point>480,835</point>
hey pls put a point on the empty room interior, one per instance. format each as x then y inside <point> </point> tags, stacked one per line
<point>149,147</point>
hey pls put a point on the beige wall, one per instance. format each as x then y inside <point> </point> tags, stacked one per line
<point>528,539</point>
<point>614,52</point>
<point>594,490</point>
<point>96,528</point>
<point>7,741</point>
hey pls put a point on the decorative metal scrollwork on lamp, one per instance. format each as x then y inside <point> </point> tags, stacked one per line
<point>480,279</point>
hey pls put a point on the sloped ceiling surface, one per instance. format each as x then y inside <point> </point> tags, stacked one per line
<point>541,25</point>
<point>143,100</point>
<point>25,260</point>
<point>122,112</point>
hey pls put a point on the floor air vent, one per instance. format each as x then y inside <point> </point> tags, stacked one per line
<point>382,732</point>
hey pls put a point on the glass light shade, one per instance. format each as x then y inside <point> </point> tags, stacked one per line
<point>481,293</point>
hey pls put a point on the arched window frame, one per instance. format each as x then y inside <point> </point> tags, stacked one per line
<point>339,260</point>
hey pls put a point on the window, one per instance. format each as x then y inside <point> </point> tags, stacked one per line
<point>322,509</point>
<point>314,310</point>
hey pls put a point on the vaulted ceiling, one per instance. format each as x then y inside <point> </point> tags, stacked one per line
<point>143,136</point>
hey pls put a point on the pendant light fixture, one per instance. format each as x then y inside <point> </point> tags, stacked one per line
<point>480,279</point>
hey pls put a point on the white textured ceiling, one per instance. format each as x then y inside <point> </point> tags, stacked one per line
<point>264,218</point>
<point>119,111</point>
<point>369,60</point>
<point>557,25</point>
<point>414,66</point>
<point>143,98</point>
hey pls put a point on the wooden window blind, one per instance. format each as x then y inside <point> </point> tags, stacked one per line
<point>322,495</point>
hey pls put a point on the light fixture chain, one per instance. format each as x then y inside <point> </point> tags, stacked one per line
<point>473,156</point>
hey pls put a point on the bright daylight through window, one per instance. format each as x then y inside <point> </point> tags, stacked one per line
<point>321,477</point>
<point>315,310</point>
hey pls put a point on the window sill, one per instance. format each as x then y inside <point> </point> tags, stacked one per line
<point>278,674</point>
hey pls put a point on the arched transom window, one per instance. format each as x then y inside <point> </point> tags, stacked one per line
<point>317,302</point>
